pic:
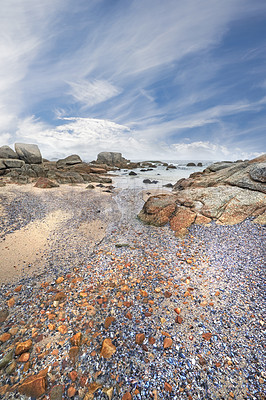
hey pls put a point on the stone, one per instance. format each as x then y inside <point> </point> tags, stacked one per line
<point>76,339</point>
<point>45,183</point>
<point>167,387</point>
<point>109,392</point>
<point>24,357</point>
<point>5,337</point>
<point>29,153</point>
<point>70,160</point>
<point>199,164</point>
<point>207,335</point>
<point>139,339</point>
<point>108,321</point>
<point>191,164</point>
<point>132,173</point>
<point>127,396</point>
<point>60,296</point>
<point>167,343</point>
<point>108,349</point>
<point>202,220</point>
<point>90,186</point>
<point>7,152</point>
<point>34,386</point>
<point>23,347</point>
<point>179,320</point>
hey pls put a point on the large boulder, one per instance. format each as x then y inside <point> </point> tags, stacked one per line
<point>7,152</point>
<point>111,158</point>
<point>70,160</point>
<point>29,153</point>
<point>226,195</point>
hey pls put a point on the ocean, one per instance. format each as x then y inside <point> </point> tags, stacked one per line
<point>123,180</point>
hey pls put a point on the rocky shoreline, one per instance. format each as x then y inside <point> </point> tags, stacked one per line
<point>134,313</point>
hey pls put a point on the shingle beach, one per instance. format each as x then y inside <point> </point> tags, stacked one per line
<point>110,308</point>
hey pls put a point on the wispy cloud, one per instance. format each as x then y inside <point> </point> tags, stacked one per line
<point>160,70</point>
<point>91,93</point>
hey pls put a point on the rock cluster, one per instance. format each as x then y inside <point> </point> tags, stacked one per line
<point>225,192</point>
<point>26,164</point>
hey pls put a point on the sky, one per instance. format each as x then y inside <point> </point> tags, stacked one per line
<point>151,79</point>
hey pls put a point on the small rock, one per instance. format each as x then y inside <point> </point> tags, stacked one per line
<point>108,349</point>
<point>167,387</point>
<point>167,343</point>
<point>23,347</point>
<point>207,335</point>
<point>140,337</point>
<point>24,357</point>
<point>45,183</point>
<point>108,322</point>
<point>6,359</point>
<point>76,339</point>
<point>167,294</point>
<point>71,391</point>
<point>5,337</point>
<point>3,315</point>
<point>127,396</point>
<point>179,319</point>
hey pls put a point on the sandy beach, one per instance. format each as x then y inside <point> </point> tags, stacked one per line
<point>97,305</point>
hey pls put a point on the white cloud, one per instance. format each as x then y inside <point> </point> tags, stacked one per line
<point>91,93</point>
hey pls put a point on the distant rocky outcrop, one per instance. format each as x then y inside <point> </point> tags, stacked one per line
<point>111,158</point>
<point>26,165</point>
<point>226,192</point>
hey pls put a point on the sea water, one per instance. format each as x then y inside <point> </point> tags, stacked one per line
<point>160,174</point>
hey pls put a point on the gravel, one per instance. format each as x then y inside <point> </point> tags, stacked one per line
<point>144,277</point>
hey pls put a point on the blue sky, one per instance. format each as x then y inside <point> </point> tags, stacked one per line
<point>168,79</point>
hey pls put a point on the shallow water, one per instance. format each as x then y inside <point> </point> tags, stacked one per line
<point>123,180</point>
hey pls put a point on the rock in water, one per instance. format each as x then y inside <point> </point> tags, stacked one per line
<point>7,152</point>
<point>29,153</point>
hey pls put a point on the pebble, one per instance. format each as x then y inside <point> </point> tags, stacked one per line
<point>114,294</point>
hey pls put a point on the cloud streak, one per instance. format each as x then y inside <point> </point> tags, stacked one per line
<point>163,71</point>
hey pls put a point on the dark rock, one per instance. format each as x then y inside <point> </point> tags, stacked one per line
<point>147,181</point>
<point>199,164</point>
<point>7,152</point>
<point>168,185</point>
<point>191,164</point>
<point>132,173</point>
<point>90,186</point>
<point>29,153</point>
<point>70,160</point>
<point>170,167</point>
